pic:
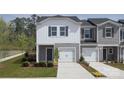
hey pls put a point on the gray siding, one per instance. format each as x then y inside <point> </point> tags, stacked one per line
<point>103,40</point>
<point>69,45</point>
<point>109,56</point>
<point>42,52</point>
<point>93,35</point>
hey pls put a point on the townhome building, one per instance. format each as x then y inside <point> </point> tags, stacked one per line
<point>95,39</point>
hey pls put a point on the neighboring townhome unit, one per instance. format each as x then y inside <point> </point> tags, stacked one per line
<point>96,39</point>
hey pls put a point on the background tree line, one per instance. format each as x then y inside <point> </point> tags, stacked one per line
<point>19,33</point>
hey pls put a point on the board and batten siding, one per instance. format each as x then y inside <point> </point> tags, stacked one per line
<point>101,33</point>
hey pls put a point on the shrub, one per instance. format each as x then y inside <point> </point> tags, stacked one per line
<point>81,59</point>
<point>42,64</point>
<point>26,54</point>
<point>36,64</point>
<point>24,59</point>
<point>56,55</point>
<point>26,64</point>
<point>32,57</point>
<point>50,64</point>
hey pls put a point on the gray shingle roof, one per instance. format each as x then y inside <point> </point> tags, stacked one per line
<point>96,21</point>
<point>121,21</point>
<point>86,23</point>
<point>71,17</point>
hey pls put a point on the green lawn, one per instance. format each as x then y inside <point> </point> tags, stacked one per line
<point>117,65</point>
<point>12,68</point>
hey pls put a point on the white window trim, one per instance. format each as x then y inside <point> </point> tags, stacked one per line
<point>63,31</point>
<point>54,31</point>
<point>108,32</point>
<point>109,50</point>
<point>85,33</point>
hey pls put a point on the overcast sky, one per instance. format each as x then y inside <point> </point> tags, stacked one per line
<point>9,17</point>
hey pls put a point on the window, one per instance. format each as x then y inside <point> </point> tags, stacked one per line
<point>87,33</point>
<point>122,35</point>
<point>108,32</point>
<point>52,31</point>
<point>64,31</point>
<point>110,50</point>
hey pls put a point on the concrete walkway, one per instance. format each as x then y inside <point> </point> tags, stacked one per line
<point>72,71</point>
<point>10,57</point>
<point>109,71</point>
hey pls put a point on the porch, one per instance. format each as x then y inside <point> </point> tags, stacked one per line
<point>108,53</point>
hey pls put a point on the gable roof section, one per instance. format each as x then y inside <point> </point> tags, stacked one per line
<point>121,21</point>
<point>97,21</point>
<point>76,19</point>
<point>86,23</point>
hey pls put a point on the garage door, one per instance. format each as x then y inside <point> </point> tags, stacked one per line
<point>89,54</point>
<point>66,55</point>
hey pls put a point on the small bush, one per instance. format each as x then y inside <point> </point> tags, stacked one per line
<point>32,57</point>
<point>26,54</point>
<point>50,64</point>
<point>42,64</point>
<point>81,59</point>
<point>26,64</point>
<point>24,59</point>
<point>36,64</point>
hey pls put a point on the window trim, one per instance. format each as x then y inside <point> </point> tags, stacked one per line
<point>63,31</point>
<point>108,32</point>
<point>52,31</point>
<point>86,29</point>
<point>111,50</point>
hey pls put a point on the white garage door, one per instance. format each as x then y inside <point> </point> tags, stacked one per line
<point>66,56</point>
<point>89,54</point>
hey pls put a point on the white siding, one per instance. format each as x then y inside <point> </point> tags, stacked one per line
<point>73,31</point>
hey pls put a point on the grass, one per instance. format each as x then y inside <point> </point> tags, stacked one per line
<point>12,68</point>
<point>92,70</point>
<point>116,65</point>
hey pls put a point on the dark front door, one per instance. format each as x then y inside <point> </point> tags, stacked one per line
<point>49,54</point>
<point>104,54</point>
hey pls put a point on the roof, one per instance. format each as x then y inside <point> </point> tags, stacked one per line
<point>86,23</point>
<point>97,21</point>
<point>59,16</point>
<point>121,21</point>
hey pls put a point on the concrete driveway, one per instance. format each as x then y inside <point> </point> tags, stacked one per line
<point>72,70</point>
<point>109,71</point>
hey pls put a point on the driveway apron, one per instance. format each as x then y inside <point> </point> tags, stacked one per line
<point>109,71</point>
<point>72,70</point>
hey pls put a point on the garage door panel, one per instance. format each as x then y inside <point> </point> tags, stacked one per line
<point>66,55</point>
<point>89,54</point>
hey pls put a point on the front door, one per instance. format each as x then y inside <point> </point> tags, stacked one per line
<point>49,54</point>
<point>104,54</point>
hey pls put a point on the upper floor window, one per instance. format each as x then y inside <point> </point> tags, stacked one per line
<point>122,35</point>
<point>108,32</point>
<point>87,33</point>
<point>64,31</point>
<point>52,31</point>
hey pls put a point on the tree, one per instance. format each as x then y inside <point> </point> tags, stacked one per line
<point>23,41</point>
